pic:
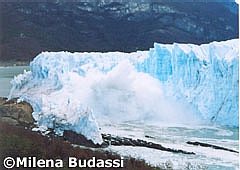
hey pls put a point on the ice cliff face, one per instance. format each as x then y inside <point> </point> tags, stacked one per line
<point>178,83</point>
<point>206,76</point>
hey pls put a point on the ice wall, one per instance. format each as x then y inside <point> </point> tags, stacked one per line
<point>206,76</point>
<point>169,83</point>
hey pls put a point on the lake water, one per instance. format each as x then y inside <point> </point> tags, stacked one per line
<point>6,75</point>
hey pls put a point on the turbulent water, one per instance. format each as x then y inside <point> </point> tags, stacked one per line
<point>176,137</point>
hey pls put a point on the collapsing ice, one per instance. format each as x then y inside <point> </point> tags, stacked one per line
<point>178,83</point>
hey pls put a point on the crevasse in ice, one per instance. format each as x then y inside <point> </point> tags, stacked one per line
<point>169,83</point>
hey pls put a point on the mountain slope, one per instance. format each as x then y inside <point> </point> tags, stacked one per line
<point>28,28</point>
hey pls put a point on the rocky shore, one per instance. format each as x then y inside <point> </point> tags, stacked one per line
<point>18,140</point>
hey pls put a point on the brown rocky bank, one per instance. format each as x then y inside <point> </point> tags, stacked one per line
<point>15,113</point>
<point>18,140</point>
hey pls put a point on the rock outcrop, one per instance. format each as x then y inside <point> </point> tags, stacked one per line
<point>16,113</point>
<point>109,139</point>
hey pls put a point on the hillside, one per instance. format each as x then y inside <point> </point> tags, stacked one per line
<point>27,28</point>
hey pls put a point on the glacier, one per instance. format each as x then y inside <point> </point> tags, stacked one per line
<point>170,83</point>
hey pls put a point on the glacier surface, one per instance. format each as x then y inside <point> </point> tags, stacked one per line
<point>170,83</point>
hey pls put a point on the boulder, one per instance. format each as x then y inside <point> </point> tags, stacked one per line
<point>15,113</point>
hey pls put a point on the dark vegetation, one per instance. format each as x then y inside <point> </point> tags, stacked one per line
<point>29,27</point>
<point>16,141</point>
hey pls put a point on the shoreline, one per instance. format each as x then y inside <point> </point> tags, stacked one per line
<point>22,142</point>
<point>14,63</point>
<point>18,140</point>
